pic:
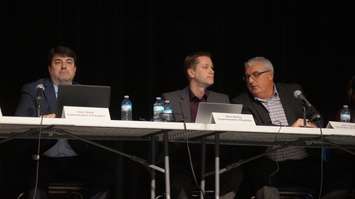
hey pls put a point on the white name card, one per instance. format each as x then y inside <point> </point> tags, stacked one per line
<point>341,125</point>
<point>224,118</point>
<point>92,113</point>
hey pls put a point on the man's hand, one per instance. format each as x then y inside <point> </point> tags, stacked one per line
<point>299,123</point>
<point>52,115</point>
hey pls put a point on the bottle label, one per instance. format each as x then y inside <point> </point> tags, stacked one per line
<point>126,107</point>
<point>168,111</point>
<point>345,117</point>
<point>158,109</point>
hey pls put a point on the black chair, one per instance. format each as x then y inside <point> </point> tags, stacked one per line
<point>295,193</point>
<point>59,190</point>
<point>209,194</point>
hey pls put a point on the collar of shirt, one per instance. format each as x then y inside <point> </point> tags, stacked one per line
<point>194,102</point>
<point>193,98</point>
<point>55,90</point>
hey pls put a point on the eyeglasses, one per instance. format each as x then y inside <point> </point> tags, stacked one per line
<point>254,75</point>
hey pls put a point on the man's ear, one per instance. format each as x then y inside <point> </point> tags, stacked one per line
<point>191,73</point>
<point>271,76</point>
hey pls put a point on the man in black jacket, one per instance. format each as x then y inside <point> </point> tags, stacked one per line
<point>272,103</point>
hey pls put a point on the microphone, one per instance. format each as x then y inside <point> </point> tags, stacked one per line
<point>39,91</point>
<point>39,97</point>
<point>299,95</point>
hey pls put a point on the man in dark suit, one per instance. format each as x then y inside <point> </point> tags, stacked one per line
<point>60,159</point>
<point>273,103</point>
<point>199,71</point>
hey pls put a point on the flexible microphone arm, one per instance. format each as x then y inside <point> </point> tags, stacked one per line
<point>316,117</point>
<point>39,98</point>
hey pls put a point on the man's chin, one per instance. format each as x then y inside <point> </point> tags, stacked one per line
<point>66,81</point>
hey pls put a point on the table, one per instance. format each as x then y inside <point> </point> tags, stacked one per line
<point>217,134</point>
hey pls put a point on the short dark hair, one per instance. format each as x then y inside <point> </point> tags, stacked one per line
<point>191,60</point>
<point>62,51</point>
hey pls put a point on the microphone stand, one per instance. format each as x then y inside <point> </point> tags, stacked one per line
<point>38,111</point>
<point>304,116</point>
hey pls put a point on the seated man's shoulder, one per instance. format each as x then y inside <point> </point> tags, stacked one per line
<point>241,98</point>
<point>34,84</point>
<point>218,94</point>
<point>173,94</point>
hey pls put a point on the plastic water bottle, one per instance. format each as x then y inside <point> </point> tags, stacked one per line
<point>126,108</point>
<point>168,112</point>
<point>345,114</point>
<point>158,108</point>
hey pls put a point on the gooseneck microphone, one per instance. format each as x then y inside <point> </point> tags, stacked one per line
<point>39,97</point>
<point>299,95</point>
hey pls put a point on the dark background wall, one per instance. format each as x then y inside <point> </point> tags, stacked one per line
<point>138,47</point>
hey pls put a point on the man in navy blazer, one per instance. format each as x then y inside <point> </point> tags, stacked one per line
<point>199,70</point>
<point>28,103</point>
<point>62,157</point>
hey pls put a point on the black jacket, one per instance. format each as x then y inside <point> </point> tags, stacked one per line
<point>27,108</point>
<point>293,107</point>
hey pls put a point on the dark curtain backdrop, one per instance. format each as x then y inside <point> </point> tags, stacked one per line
<point>138,47</point>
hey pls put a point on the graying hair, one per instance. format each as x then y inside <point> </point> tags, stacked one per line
<point>267,63</point>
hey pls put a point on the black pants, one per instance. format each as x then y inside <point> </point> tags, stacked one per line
<point>303,173</point>
<point>70,169</point>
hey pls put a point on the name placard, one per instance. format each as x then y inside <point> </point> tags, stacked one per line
<point>228,118</point>
<point>340,125</point>
<point>92,113</point>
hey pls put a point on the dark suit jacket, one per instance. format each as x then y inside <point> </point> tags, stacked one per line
<point>27,104</point>
<point>27,108</point>
<point>293,107</point>
<point>180,101</point>
<point>293,110</point>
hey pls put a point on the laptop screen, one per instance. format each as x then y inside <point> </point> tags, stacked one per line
<point>83,95</point>
<point>205,109</point>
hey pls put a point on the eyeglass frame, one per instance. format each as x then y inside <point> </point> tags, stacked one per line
<point>254,75</point>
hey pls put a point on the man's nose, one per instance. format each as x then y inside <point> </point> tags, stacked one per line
<point>249,79</point>
<point>64,66</point>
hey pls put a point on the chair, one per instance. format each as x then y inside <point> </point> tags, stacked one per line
<point>66,190</point>
<point>285,193</point>
<point>209,194</point>
<point>295,193</point>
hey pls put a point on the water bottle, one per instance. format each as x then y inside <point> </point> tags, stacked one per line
<point>345,114</point>
<point>158,109</point>
<point>168,112</point>
<point>126,108</point>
